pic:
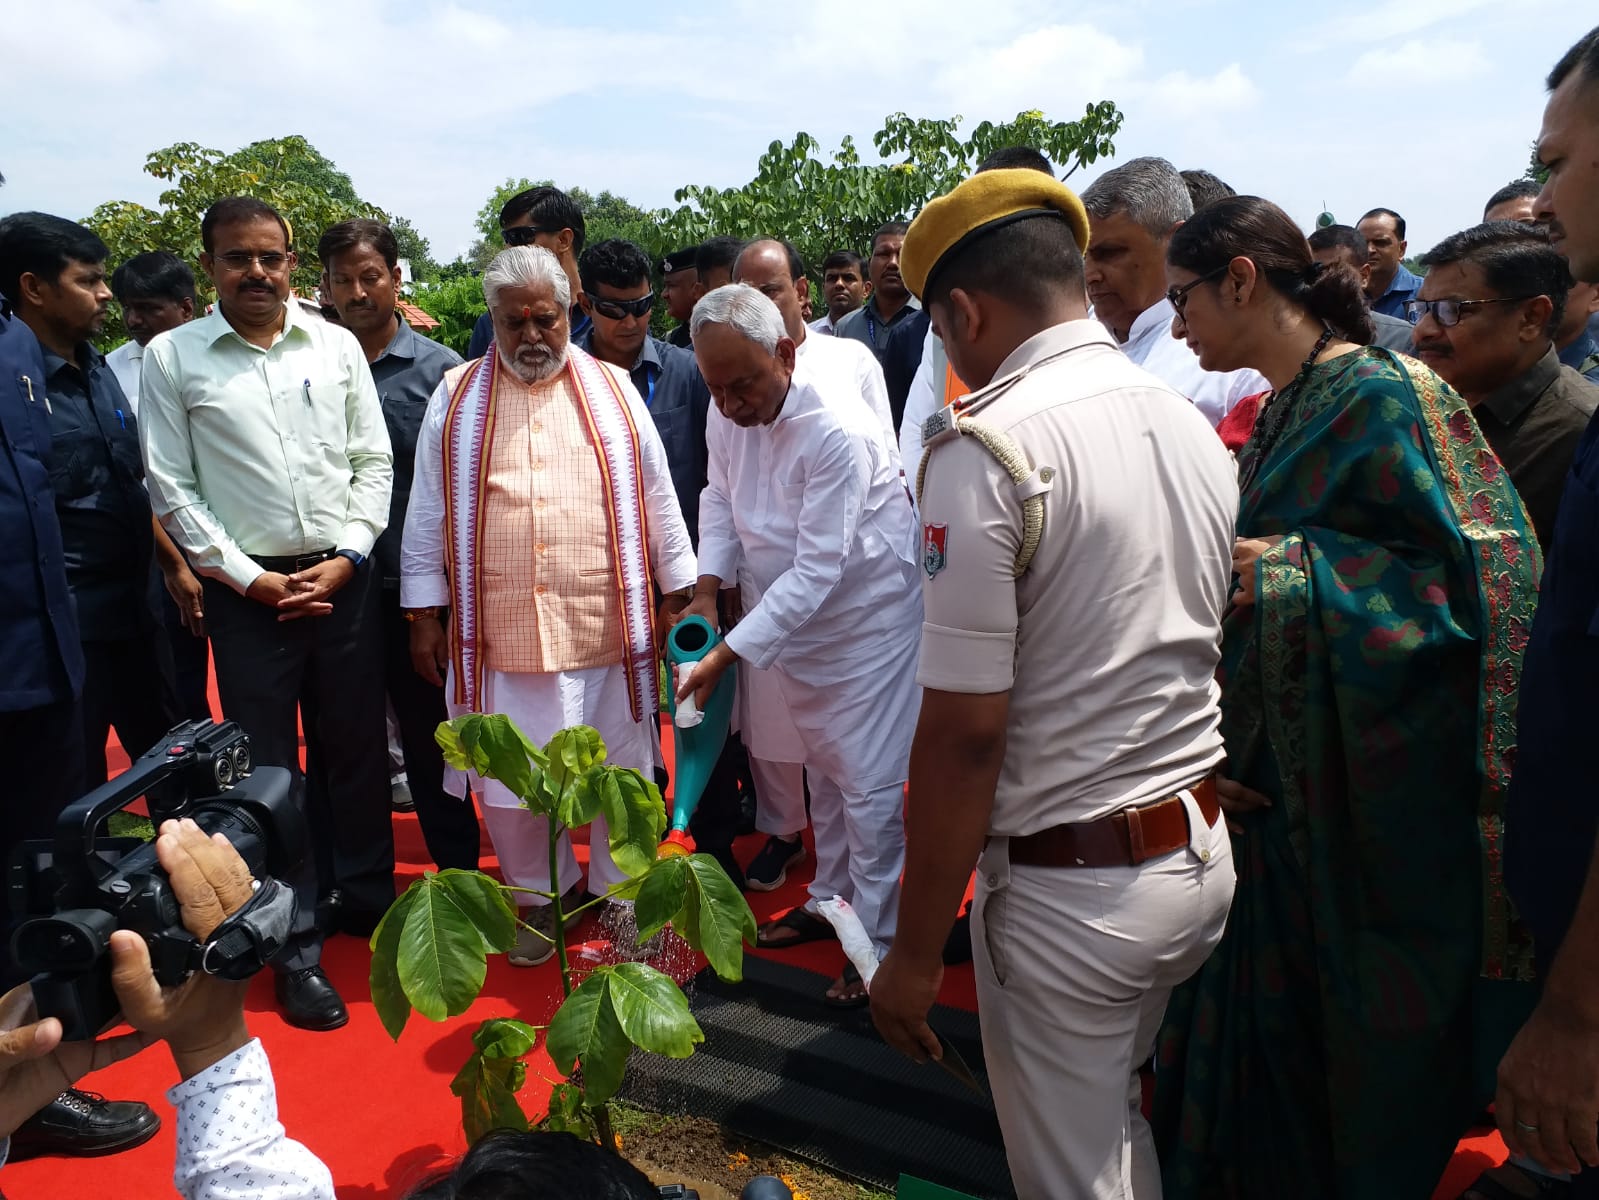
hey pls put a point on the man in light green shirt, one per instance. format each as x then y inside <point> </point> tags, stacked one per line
<point>269,465</point>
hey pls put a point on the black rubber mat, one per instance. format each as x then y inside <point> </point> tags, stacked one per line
<point>779,1067</point>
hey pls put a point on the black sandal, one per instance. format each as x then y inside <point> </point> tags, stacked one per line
<point>1488,1186</point>
<point>851,978</point>
<point>806,927</point>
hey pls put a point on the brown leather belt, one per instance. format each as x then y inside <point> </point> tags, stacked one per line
<point>1123,839</point>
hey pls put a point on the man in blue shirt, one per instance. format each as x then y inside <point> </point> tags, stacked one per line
<point>617,302</point>
<point>41,739</point>
<point>1391,284</point>
<point>1547,1105</point>
<point>360,271</point>
<point>55,272</point>
<point>548,217</point>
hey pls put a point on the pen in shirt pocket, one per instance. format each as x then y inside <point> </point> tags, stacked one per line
<point>308,393</point>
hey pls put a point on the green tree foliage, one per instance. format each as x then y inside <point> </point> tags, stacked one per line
<point>455,303</point>
<point>430,951</point>
<point>822,206</point>
<point>1536,171</point>
<point>288,173</point>
<point>414,248</point>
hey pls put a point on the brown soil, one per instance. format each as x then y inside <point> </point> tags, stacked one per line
<point>703,1155</point>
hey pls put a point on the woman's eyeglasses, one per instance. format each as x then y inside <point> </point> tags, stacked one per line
<point>1178,296</point>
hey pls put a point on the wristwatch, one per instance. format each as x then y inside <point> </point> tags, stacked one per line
<point>356,558</point>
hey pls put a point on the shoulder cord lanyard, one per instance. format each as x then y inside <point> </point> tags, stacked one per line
<point>649,384</point>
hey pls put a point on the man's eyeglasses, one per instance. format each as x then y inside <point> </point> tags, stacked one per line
<point>239,261</point>
<point>1448,312</point>
<point>618,310</point>
<point>524,235</point>
<point>1178,296</point>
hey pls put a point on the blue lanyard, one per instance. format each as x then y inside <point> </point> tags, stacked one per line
<point>649,395</point>
<point>871,327</point>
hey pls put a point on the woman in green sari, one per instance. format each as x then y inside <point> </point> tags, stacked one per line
<point>1387,574</point>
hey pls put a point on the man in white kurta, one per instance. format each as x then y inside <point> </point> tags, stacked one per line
<point>542,539</point>
<point>806,494</point>
<point>852,376</point>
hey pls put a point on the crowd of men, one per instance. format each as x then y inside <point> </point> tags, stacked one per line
<point>362,532</point>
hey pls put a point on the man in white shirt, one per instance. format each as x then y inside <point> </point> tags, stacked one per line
<point>844,289</point>
<point>156,292</point>
<point>805,493</point>
<point>1133,211</point>
<point>269,465</point>
<point>777,754</point>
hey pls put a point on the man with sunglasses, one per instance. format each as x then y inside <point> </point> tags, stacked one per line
<point>547,217</point>
<point>269,465</point>
<point>616,301</point>
<point>1485,320</point>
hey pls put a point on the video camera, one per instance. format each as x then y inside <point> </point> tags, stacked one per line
<point>81,887</point>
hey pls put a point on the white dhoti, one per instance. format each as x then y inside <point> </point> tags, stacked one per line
<point>542,705</point>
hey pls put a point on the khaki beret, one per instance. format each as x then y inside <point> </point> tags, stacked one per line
<point>987,201</point>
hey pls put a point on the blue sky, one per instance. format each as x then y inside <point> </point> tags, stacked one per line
<point>1424,106</point>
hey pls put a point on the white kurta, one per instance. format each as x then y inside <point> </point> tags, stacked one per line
<point>842,366</point>
<point>814,509</point>
<point>1150,344</point>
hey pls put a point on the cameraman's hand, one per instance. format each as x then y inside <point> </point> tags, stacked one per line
<point>36,1066</point>
<point>202,1019</point>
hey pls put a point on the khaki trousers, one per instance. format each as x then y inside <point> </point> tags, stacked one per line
<point>1074,968</point>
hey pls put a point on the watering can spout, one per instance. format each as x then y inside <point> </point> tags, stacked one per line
<point>698,734</point>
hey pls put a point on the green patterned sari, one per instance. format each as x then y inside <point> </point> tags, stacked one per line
<point>1331,1047</point>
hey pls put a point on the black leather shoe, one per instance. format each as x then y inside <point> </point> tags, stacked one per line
<point>84,1125</point>
<point>309,1001</point>
<point>328,907</point>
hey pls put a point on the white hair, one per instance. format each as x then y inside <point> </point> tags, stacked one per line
<point>744,310</point>
<point>526,266</point>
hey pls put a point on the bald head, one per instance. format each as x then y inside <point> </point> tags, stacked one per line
<point>774,269</point>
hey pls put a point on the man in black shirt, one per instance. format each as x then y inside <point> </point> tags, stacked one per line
<point>680,288</point>
<point>55,272</point>
<point>360,272</point>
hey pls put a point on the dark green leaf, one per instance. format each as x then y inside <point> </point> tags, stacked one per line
<point>499,750</point>
<point>485,906</point>
<point>487,1088</point>
<point>581,801</point>
<point>502,1037</point>
<point>661,894</point>
<point>585,1031</point>
<point>653,1011</point>
<point>566,1112</point>
<point>636,819</point>
<point>442,961</point>
<point>720,921</point>
<point>388,996</point>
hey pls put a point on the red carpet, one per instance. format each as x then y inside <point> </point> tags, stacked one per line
<point>380,1114</point>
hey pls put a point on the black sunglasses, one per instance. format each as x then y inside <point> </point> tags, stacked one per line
<point>618,310</point>
<point>1178,296</point>
<point>523,235</point>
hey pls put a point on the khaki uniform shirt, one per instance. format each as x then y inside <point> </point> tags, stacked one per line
<point>1108,643</point>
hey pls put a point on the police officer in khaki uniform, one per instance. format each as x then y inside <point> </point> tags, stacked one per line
<point>1078,528</point>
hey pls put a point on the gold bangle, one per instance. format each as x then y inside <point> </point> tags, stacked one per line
<point>422,614</point>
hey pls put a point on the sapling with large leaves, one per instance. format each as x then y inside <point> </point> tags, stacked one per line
<point>430,952</point>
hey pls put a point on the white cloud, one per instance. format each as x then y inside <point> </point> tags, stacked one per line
<point>1416,63</point>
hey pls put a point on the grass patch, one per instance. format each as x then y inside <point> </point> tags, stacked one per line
<point>126,824</point>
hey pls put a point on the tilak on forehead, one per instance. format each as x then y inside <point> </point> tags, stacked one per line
<point>527,311</point>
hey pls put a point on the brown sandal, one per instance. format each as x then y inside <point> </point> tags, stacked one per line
<point>803,926</point>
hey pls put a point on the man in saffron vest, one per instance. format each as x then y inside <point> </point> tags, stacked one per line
<point>541,508</point>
